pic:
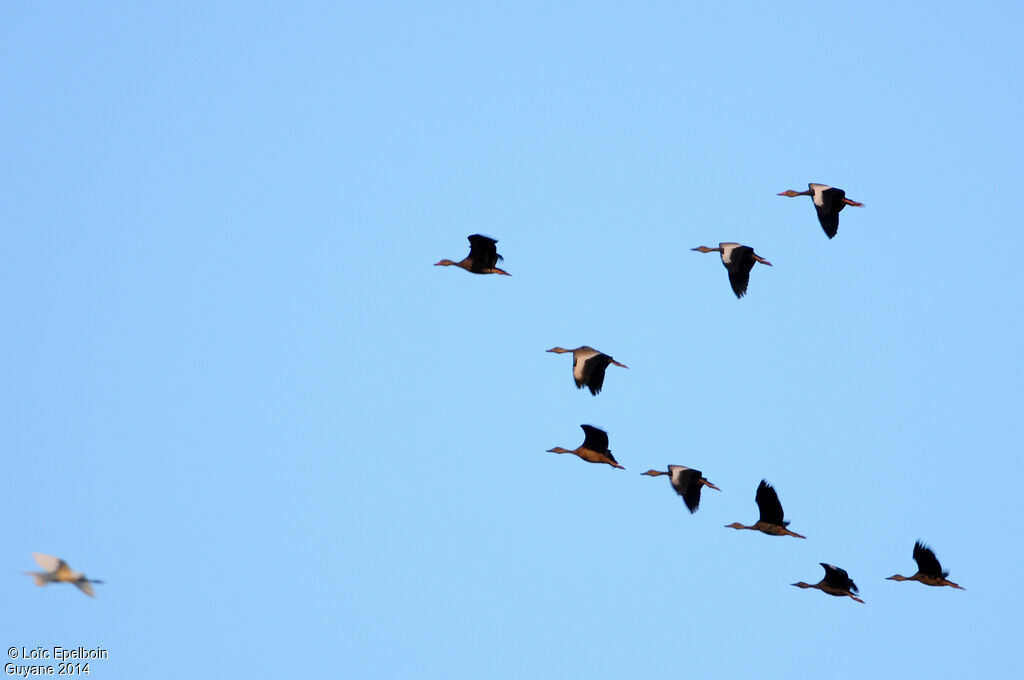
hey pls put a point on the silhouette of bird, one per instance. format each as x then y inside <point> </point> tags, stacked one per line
<point>588,366</point>
<point>482,258</point>
<point>929,571</point>
<point>58,571</point>
<point>738,260</point>
<point>771,521</point>
<point>836,582</point>
<point>687,482</point>
<point>828,202</point>
<point>594,449</point>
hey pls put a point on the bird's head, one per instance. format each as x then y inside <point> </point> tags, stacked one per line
<point>790,192</point>
<point>559,449</point>
<point>444,263</point>
<point>801,584</point>
<point>654,473</point>
<point>735,525</point>
<point>558,350</point>
<point>705,249</point>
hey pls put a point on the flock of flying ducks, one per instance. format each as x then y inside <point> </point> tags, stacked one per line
<point>737,259</point>
<point>588,370</point>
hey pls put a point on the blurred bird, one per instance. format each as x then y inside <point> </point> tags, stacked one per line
<point>594,449</point>
<point>836,582</point>
<point>828,201</point>
<point>482,258</point>
<point>687,482</point>
<point>771,521</point>
<point>58,571</point>
<point>929,571</point>
<point>738,260</point>
<point>588,366</point>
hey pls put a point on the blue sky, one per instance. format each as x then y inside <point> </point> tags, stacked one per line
<point>235,388</point>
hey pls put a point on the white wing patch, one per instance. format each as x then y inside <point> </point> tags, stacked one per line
<point>47,562</point>
<point>580,356</point>
<point>677,472</point>
<point>727,249</point>
<point>819,190</point>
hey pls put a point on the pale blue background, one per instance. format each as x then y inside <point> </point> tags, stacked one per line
<point>234,387</point>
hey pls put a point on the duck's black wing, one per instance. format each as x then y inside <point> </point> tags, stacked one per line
<point>927,563</point>
<point>593,371</point>
<point>838,578</point>
<point>828,211</point>
<point>769,505</point>
<point>483,250</point>
<point>595,440</point>
<point>740,263</point>
<point>689,488</point>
